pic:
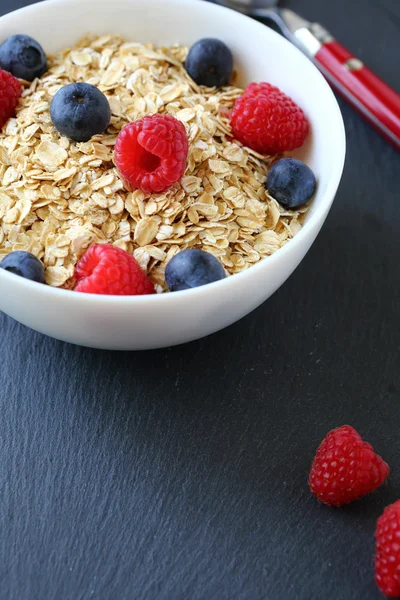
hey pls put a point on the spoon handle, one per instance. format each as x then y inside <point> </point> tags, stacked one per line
<point>364,90</point>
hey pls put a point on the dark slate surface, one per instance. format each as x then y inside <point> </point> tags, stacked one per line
<point>182,474</point>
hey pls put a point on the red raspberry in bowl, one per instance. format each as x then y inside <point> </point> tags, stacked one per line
<point>267,120</point>
<point>387,559</point>
<point>10,93</point>
<point>106,269</point>
<point>345,468</point>
<point>151,153</point>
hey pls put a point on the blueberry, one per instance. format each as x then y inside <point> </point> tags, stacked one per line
<point>79,111</point>
<point>23,57</point>
<point>24,264</point>
<point>291,182</point>
<point>192,268</point>
<point>210,63</point>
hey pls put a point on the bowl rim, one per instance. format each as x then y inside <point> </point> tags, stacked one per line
<point>314,221</point>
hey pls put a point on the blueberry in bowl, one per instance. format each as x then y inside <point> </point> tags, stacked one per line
<point>23,57</point>
<point>291,182</point>
<point>210,62</point>
<point>79,111</point>
<point>192,268</point>
<point>24,264</point>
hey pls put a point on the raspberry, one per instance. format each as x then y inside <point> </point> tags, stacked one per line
<point>267,120</point>
<point>261,88</point>
<point>106,269</point>
<point>151,153</point>
<point>387,559</point>
<point>10,93</point>
<point>345,468</point>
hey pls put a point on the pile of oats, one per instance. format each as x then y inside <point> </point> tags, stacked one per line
<point>57,197</point>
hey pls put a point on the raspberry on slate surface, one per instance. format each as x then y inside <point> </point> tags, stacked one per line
<point>106,269</point>
<point>268,121</point>
<point>345,468</point>
<point>151,153</point>
<point>10,93</point>
<point>387,559</point>
<point>23,57</point>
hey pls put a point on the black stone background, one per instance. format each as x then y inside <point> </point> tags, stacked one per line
<point>181,474</point>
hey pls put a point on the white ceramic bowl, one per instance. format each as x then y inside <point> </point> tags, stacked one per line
<point>144,322</point>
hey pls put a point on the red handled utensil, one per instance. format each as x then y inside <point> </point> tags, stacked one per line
<point>365,91</point>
